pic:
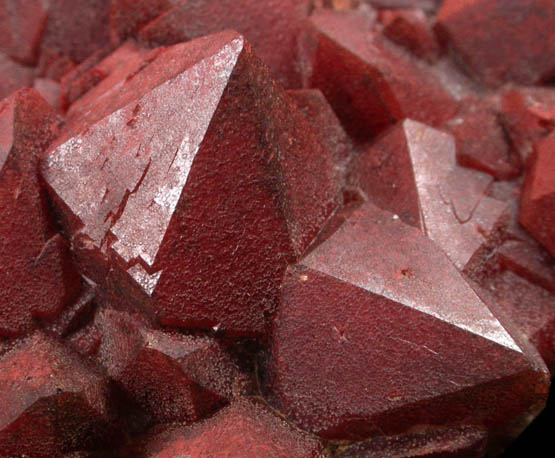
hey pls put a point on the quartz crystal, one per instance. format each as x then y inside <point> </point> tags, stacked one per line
<point>36,274</point>
<point>194,221</point>
<point>281,228</point>
<point>52,402</point>
<point>502,40</point>
<point>379,291</point>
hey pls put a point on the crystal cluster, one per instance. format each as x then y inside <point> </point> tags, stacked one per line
<point>284,228</point>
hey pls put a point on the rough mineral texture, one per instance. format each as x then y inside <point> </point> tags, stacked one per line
<point>325,124</point>
<point>52,403</point>
<point>481,140</point>
<point>369,84</point>
<point>502,40</point>
<point>14,76</point>
<point>194,221</point>
<point>242,428</point>
<point>128,16</point>
<point>461,442</point>
<point>172,377</point>
<point>21,25</point>
<point>537,206</point>
<point>528,115</point>
<point>276,228</point>
<point>270,26</point>
<point>410,28</point>
<point>411,171</point>
<point>74,30</point>
<point>36,274</point>
<point>380,291</point>
<point>531,309</point>
<point>530,261</point>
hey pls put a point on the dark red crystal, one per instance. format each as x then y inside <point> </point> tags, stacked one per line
<point>36,276</point>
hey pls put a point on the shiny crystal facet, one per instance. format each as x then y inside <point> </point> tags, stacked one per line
<point>194,220</point>
<point>379,291</point>
<point>412,171</point>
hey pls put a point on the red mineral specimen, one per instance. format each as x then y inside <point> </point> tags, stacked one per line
<point>49,91</point>
<point>36,275</point>
<point>528,114</point>
<point>75,29</point>
<point>529,261</point>
<point>270,26</point>
<point>171,376</point>
<point>456,83</point>
<point>481,140</point>
<point>502,40</point>
<point>242,429</point>
<point>411,171</point>
<point>14,76</point>
<point>52,403</point>
<point>426,5</point>
<point>127,16</point>
<point>324,122</point>
<point>537,206</point>
<point>531,308</point>
<point>369,83</point>
<point>21,26</point>
<point>411,29</point>
<point>90,87</point>
<point>73,316</point>
<point>194,221</point>
<point>377,332</point>
<point>460,442</point>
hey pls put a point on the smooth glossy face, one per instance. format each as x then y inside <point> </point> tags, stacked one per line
<point>376,328</point>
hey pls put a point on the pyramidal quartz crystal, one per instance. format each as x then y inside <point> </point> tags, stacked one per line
<point>280,228</point>
<point>379,291</point>
<point>195,221</point>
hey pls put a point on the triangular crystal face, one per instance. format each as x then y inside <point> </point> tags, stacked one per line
<point>412,171</point>
<point>136,207</point>
<point>197,174</point>
<point>377,331</point>
<point>392,260</point>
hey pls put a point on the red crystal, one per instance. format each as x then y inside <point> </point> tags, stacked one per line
<point>325,124</point>
<point>531,309</point>
<point>51,401</point>
<point>461,442</point>
<point>537,206</point>
<point>410,28</point>
<point>411,171</point>
<point>369,84</point>
<point>21,26</point>
<point>528,114</point>
<point>270,26</point>
<point>128,16</point>
<point>162,215</point>
<point>171,376</point>
<point>481,140</point>
<point>74,30</point>
<point>380,291</point>
<point>502,40</point>
<point>195,261</point>
<point>37,277</point>
<point>14,76</point>
<point>243,427</point>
